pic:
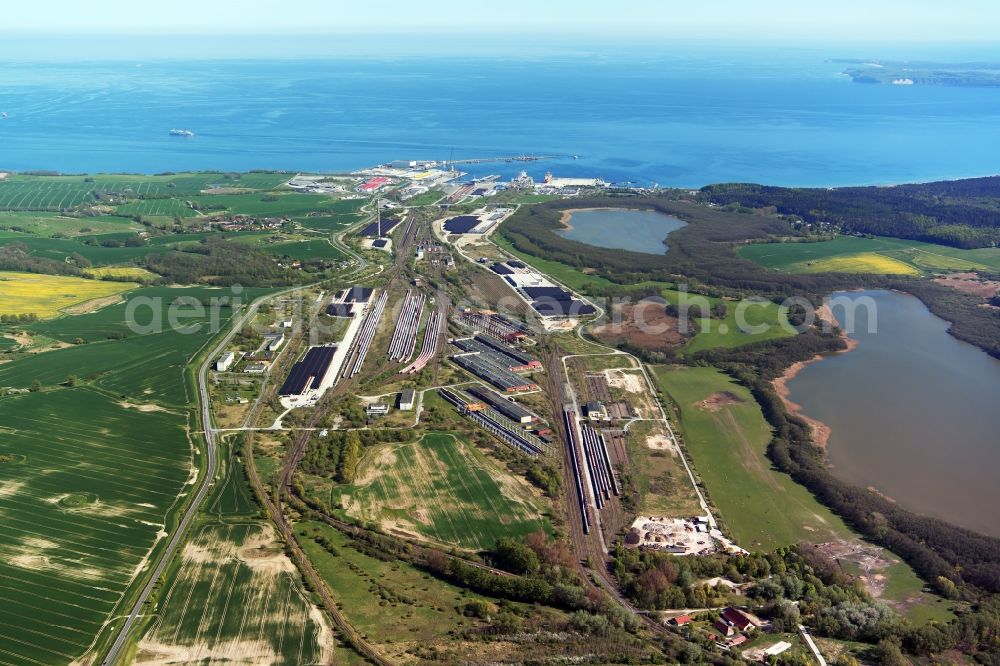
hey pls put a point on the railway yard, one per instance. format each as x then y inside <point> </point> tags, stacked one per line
<point>381,438</point>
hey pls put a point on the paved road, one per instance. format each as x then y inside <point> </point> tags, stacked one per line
<point>812,645</point>
<point>114,653</point>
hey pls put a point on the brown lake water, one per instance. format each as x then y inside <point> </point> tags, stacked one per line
<point>914,412</point>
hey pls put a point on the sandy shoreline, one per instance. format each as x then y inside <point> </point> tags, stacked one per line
<point>820,431</point>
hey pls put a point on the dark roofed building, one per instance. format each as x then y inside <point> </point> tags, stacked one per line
<point>343,310</point>
<point>557,293</point>
<point>358,294</point>
<point>551,307</point>
<point>462,224</point>
<point>500,269</point>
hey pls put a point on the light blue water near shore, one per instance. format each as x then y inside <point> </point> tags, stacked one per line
<point>675,119</point>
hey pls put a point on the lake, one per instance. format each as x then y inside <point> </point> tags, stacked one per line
<point>636,230</point>
<point>913,412</point>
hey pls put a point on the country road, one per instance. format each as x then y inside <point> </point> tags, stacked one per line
<point>115,651</point>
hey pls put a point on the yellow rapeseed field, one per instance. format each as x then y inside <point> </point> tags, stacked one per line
<point>864,262</point>
<point>48,295</point>
<point>121,273</point>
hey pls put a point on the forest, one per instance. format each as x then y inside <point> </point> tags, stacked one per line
<point>961,213</point>
<point>221,262</point>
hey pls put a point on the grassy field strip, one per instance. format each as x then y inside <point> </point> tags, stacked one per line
<point>234,597</point>
<point>726,436</point>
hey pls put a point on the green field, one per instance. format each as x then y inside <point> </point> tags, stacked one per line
<point>93,484</point>
<point>19,192</point>
<point>47,224</point>
<point>157,208</point>
<point>145,368</point>
<point>396,606</point>
<point>875,255</point>
<point>441,489</point>
<point>745,322</point>
<point>259,204</point>
<point>235,597</point>
<point>98,470</point>
<point>727,442</point>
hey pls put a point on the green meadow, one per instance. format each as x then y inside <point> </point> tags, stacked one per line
<point>726,436</point>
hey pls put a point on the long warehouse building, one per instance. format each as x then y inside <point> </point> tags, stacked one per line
<point>511,410</point>
<point>309,372</point>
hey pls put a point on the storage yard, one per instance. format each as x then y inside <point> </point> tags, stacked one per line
<point>495,324</point>
<point>545,297</point>
<point>432,334</point>
<point>404,338</point>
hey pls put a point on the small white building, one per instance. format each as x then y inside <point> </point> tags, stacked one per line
<point>274,341</point>
<point>286,324</point>
<point>377,409</point>
<point>225,361</point>
<point>406,399</point>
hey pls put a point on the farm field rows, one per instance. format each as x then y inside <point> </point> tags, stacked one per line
<point>146,368</point>
<point>441,489</point>
<point>88,494</point>
<point>48,295</point>
<point>875,255</point>
<point>235,597</point>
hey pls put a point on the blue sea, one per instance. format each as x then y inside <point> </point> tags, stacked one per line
<point>674,118</point>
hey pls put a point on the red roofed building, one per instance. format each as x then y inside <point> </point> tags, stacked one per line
<point>738,619</point>
<point>739,640</point>
<point>375,183</point>
<point>726,629</point>
<point>680,620</point>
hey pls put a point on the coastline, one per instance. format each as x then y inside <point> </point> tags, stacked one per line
<point>820,431</point>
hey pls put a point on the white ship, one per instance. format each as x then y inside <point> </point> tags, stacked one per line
<point>181,132</point>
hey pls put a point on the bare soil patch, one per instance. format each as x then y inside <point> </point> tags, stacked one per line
<point>645,324</point>
<point>971,283</point>
<point>94,305</point>
<point>717,401</point>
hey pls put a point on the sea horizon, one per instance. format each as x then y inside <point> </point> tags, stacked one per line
<point>681,117</point>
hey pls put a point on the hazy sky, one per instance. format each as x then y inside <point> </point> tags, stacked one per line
<point>749,20</point>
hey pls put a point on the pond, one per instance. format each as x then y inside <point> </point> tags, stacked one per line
<point>637,230</point>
